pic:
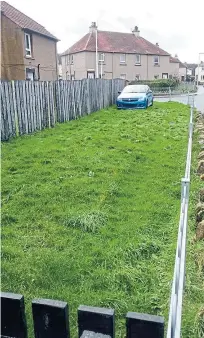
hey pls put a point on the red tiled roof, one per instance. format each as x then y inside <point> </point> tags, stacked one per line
<point>115,42</point>
<point>182,65</point>
<point>23,20</point>
<point>174,60</point>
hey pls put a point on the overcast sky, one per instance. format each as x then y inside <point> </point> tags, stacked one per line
<point>177,26</point>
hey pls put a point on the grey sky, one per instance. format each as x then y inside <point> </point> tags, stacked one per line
<point>177,26</point>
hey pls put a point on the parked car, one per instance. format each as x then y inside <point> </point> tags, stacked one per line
<point>135,96</point>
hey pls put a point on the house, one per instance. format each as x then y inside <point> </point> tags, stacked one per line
<point>178,69</point>
<point>174,64</point>
<point>120,55</point>
<point>191,67</point>
<point>59,59</point>
<point>28,50</point>
<point>182,71</point>
<point>199,73</point>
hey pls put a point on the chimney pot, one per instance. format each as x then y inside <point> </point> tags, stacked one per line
<point>93,27</point>
<point>136,31</point>
<point>157,44</point>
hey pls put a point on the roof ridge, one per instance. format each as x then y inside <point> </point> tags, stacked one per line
<point>116,42</point>
<point>26,17</point>
<point>88,40</point>
<point>16,9</point>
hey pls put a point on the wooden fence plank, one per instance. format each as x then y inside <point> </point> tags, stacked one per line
<point>18,107</point>
<point>4,116</point>
<point>29,106</point>
<point>25,110</point>
<point>11,123</point>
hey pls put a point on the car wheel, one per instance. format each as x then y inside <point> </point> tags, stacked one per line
<point>152,102</point>
<point>146,105</point>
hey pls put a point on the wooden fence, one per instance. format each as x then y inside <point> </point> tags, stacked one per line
<point>29,106</point>
<point>51,320</point>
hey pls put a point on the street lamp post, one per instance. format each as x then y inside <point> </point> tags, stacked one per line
<point>199,61</point>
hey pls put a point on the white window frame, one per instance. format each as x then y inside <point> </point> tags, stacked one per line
<point>122,58</point>
<point>138,62</point>
<point>156,63</point>
<point>29,49</point>
<point>137,77</point>
<point>30,70</point>
<point>70,59</point>
<point>123,76</point>
<point>101,57</point>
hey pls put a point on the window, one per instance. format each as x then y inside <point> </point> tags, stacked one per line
<point>70,59</point>
<point>72,77</point>
<point>28,51</point>
<point>90,75</point>
<point>123,76</point>
<point>30,74</point>
<point>122,58</point>
<point>165,75</point>
<point>101,57</point>
<point>156,76</point>
<point>137,77</point>
<point>156,60</point>
<point>138,59</point>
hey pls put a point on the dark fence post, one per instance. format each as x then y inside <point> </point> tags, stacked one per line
<point>50,318</point>
<point>96,322</point>
<point>13,321</point>
<point>139,325</point>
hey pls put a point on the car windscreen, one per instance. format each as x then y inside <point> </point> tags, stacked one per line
<point>135,89</point>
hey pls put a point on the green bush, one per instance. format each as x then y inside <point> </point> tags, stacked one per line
<point>161,83</point>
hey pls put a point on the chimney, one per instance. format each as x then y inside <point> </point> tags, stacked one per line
<point>176,56</point>
<point>136,31</point>
<point>93,27</point>
<point>157,44</point>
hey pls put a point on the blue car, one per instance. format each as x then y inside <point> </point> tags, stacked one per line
<point>135,96</point>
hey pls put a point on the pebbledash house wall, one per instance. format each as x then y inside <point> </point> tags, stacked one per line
<point>44,52</point>
<point>13,59</point>
<point>84,62</point>
<point>78,69</point>
<point>174,69</point>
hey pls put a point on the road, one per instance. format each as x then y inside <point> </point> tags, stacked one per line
<point>199,99</point>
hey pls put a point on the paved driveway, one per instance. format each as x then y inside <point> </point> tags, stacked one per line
<point>199,99</point>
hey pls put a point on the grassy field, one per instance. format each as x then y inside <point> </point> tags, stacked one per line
<point>90,212</point>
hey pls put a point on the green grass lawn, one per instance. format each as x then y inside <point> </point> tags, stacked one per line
<point>90,212</point>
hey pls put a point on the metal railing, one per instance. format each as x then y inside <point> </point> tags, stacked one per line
<point>175,313</point>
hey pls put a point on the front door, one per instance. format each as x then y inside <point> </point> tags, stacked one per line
<point>164,75</point>
<point>90,75</point>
